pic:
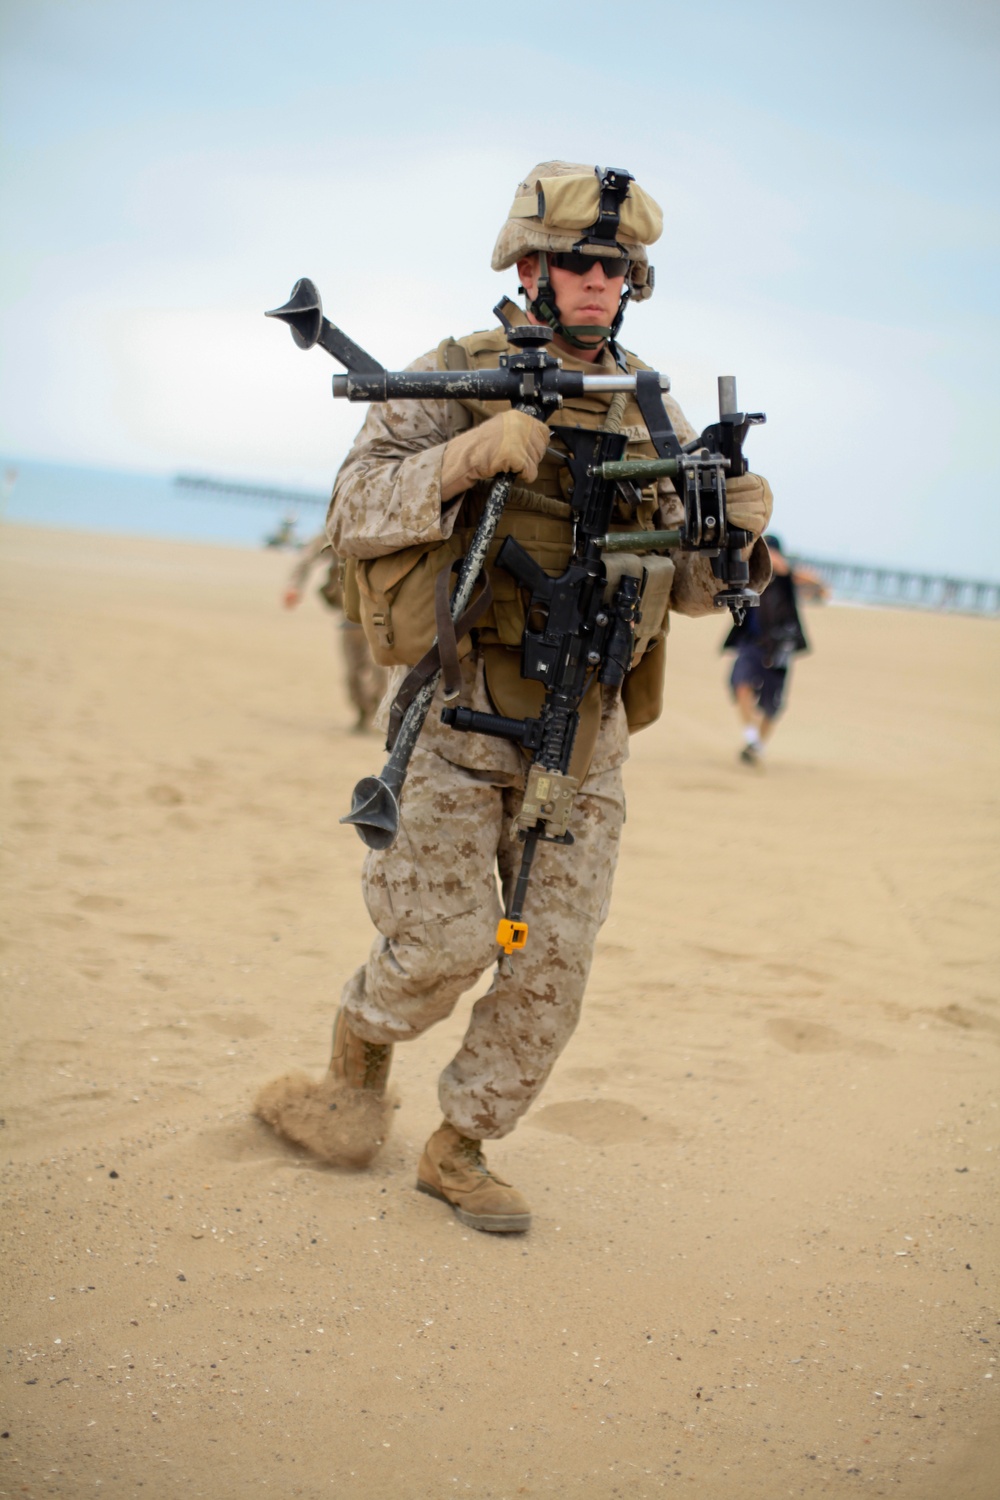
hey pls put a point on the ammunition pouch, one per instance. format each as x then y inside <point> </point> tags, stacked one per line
<point>642,690</point>
<point>655,599</point>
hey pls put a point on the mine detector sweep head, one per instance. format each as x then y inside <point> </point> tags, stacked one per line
<point>533,380</point>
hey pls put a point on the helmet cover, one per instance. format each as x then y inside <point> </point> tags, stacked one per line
<point>558,208</point>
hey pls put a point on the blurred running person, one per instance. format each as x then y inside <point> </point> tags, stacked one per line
<point>765,644</point>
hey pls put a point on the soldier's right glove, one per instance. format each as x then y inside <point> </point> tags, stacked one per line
<point>749,502</point>
<point>509,442</point>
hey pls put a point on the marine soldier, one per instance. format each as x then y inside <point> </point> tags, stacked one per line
<point>404,505</point>
<point>366,681</point>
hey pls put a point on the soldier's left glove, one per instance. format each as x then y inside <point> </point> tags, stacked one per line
<point>749,503</point>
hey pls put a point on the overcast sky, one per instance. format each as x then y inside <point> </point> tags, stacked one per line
<point>828,174</point>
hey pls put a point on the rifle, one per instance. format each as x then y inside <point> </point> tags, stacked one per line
<point>574,632</point>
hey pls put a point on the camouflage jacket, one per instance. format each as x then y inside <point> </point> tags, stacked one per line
<point>387,496</point>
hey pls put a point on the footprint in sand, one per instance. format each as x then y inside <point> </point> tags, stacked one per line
<point>165,795</point>
<point>795,971</point>
<point>806,1036</point>
<point>99,903</point>
<point>241,1027</point>
<point>48,1051</point>
<point>967,1019</point>
<point>587,1077</point>
<point>812,1036</point>
<point>27,787</point>
<point>600,1122</point>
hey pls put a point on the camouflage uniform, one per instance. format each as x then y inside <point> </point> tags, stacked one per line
<point>366,681</point>
<point>433,895</point>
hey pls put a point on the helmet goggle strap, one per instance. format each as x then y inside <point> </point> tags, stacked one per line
<point>603,232</point>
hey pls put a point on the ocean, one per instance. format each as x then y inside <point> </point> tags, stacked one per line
<point>78,498</point>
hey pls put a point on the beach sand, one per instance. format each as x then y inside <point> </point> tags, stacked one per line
<point>764,1173</point>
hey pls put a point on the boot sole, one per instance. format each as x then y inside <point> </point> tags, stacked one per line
<point>488,1223</point>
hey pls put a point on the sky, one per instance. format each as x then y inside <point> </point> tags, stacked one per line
<point>828,173</point>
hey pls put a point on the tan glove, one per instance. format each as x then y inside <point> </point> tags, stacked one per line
<point>511,441</point>
<point>749,503</point>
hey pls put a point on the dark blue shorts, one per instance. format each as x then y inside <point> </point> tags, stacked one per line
<point>767,682</point>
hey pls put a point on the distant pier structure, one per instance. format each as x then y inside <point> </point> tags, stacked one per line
<point>263,492</point>
<point>905,588</point>
<point>285,533</point>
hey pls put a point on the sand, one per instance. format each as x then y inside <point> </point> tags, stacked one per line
<point>764,1174</point>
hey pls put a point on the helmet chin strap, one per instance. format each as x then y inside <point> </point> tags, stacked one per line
<point>587,336</point>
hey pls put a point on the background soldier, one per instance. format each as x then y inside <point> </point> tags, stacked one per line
<point>366,682</point>
<point>765,644</point>
<point>407,498</point>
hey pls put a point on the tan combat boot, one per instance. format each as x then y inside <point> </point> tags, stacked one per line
<point>345,1117</point>
<point>452,1168</point>
<point>357,1063</point>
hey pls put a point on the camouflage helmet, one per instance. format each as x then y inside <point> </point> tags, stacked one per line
<point>562,206</point>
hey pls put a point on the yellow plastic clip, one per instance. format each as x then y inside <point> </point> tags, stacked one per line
<point>511,935</point>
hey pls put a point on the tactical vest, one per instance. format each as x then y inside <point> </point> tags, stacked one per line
<point>393,595</point>
<point>539,515</point>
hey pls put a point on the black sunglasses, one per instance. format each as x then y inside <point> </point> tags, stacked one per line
<point>580,264</point>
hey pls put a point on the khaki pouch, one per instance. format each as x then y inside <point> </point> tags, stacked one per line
<point>642,690</point>
<point>395,595</point>
<point>655,594</point>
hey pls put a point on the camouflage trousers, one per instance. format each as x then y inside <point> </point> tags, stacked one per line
<point>366,681</point>
<point>435,901</point>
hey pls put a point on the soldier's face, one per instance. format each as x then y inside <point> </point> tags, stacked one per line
<point>592,297</point>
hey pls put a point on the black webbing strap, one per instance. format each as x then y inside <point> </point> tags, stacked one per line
<point>613,186</point>
<point>447,640</point>
<point>443,654</point>
<point>649,399</point>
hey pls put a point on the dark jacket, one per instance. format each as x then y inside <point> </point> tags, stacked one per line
<point>774,625</point>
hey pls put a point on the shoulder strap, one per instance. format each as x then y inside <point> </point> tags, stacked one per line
<point>633,362</point>
<point>484,347</point>
<point>451,355</point>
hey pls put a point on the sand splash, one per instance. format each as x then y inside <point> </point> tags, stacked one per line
<point>346,1127</point>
